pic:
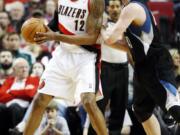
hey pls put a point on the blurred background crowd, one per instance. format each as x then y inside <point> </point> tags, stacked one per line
<point>22,64</point>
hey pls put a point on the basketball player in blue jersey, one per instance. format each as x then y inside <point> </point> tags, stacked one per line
<point>154,77</point>
<point>71,73</point>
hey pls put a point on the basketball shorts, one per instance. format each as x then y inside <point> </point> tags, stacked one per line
<point>154,84</point>
<point>69,74</point>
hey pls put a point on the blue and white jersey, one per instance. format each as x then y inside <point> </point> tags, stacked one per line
<point>141,37</point>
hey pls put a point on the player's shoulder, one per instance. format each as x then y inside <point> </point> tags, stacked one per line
<point>133,7</point>
<point>97,7</point>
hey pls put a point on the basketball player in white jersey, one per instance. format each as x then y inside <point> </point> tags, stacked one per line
<point>154,80</point>
<point>71,73</point>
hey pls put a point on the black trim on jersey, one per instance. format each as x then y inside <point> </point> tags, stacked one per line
<point>53,24</point>
<point>137,49</point>
<point>94,50</point>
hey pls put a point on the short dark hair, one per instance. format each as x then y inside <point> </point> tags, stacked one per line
<point>5,50</point>
<point>113,0</point>
<point>13,33</point>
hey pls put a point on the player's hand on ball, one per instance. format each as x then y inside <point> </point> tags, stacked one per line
<point>41,37</point>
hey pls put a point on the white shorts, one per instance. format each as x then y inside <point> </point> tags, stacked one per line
<point>69,74</point>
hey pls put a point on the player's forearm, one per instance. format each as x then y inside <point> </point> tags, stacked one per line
<point>77,39</point>
<point>120,45</point>
<point>115,35</point>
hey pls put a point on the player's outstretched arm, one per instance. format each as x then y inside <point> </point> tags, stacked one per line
<point>132,13</point>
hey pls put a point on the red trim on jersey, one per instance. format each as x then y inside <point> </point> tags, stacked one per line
<point>89,5</point>
<point>64,30</point>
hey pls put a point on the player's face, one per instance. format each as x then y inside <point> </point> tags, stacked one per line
<point>6,57</point>
<point>114,9</point>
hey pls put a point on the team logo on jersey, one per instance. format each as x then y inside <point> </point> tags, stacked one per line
<point>42,84</point>
<point>72,12</point>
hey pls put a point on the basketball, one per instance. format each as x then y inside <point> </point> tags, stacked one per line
<point>30,27</point>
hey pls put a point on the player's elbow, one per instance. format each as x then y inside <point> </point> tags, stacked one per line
<point>92,39</point>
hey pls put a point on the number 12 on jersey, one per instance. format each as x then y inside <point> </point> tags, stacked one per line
<point>79,25</point>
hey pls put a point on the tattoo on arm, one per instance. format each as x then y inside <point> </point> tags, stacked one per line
<point>95,17</point>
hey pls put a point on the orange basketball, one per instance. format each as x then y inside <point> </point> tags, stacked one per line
<point>30,27</point>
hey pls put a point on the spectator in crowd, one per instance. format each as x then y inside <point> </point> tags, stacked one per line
<point>177,20</point>
<point>62,111</point>
<point>53,124</point>
<point>16,94</point>
<point>1,5</point>
<point>38,13</point>
<point>6,60</point>
<point>37,69</point>
<point>5,21</point>
<point>13,44</point>
<point>16,12</point>
<point>4,41</point>
<point>31,6</point>
<point>49,9</point>
<point>2,31</point>
<point>176,60</point>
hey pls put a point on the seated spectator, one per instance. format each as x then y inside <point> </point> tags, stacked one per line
<point>13,45</point>
<point>5,21</point>
<point>1,5</point>
<point>53,124</point>
<point>16,94</point>
<point>4,41</point>
<point>16,11</point>
<point>19,129</point>
<point>2,31</point>
<point>6,60</point>
<point>37,69</point>
<point>49,9</point>
<point>176,61</point>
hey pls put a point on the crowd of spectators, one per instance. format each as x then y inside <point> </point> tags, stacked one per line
<point>22,64</point>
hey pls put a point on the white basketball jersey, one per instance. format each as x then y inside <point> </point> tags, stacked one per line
<point>72,16</point>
